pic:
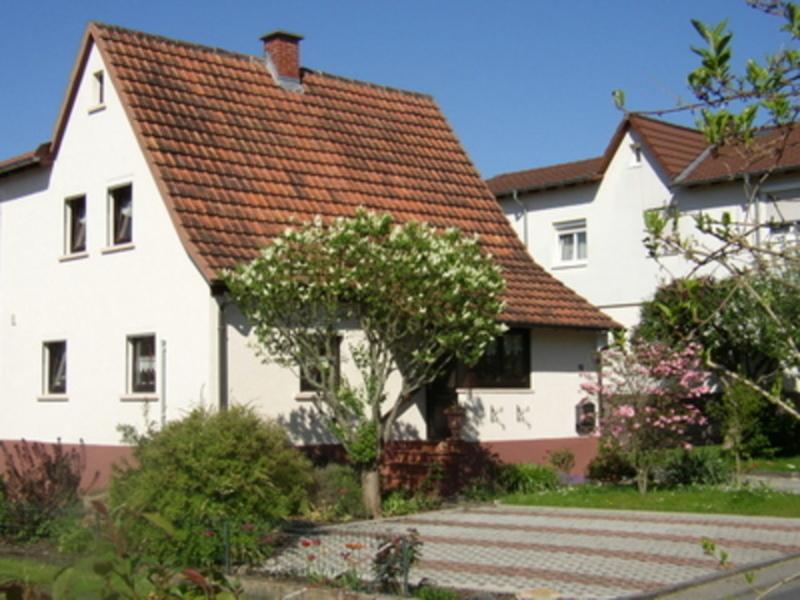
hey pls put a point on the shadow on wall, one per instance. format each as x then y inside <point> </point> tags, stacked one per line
<point>306,427</point>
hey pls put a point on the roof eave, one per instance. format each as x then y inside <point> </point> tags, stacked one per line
<point>550,186</point>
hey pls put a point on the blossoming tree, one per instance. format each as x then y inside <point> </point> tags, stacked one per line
<point>419,296</point>
<point>645,391</point>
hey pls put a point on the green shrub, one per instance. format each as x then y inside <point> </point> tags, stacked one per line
<point>398,503</point>
<point>563,460</point>
<point>40,485</point>
<point>697,466</point>
<point>213,476</point>
<point>429,592</point>
<point>528,478</point>
<point>337,492</point>
<point>609,466</point>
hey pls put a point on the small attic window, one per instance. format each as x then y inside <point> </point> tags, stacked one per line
<point>98,89</point>
<point>636,154</point>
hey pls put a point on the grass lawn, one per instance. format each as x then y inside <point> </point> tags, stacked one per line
<point>81,582</point>
<point>748,501</point>
<point>786,464</point>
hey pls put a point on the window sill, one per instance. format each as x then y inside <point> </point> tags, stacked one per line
<point>305,396</point>
<point>118,248</point>
<point>74,256</point>
<point>97,108</point>
<point>53,398</point>
<point>495,390</point>
<point>138,398</point>
<point>570,265</point>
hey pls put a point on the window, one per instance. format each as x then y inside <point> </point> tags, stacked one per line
<point>783,217</point>
<point>585,417</point>
<point>75,225</point>
<point>55,368</point>
<point>142,364</point>
<point>572,242</point>
<point>506,363</point>
<point>636,154</point>
<point>305,383</point>
<point>99,88</point>
<point>121,215</point>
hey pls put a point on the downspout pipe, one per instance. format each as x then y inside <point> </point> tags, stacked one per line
<point>518,202</point>
<point>220,295</point>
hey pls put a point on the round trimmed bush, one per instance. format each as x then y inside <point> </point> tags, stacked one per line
<point>221,479</point>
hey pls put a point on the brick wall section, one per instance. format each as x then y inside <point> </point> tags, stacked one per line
<point>284,50</point>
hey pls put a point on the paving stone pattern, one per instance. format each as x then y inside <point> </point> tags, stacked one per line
<point>575,553</point>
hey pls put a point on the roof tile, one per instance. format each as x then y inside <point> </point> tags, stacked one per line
<point>240,157</point>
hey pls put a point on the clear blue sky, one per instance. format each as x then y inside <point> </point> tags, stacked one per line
<point>524,82</point>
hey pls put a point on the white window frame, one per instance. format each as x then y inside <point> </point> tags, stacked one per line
<point>574,229</point>
<point>111,225</point>
<point>98,91</point>
<point>131,393</point>
<point>787,231</point>
<point>49,391</point>
<point>69,208</point>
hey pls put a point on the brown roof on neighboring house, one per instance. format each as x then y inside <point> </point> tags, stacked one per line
<point>773,150</point>
<point>672,146</point>
<point>682,154</point>
<point>571,173</point>
<point>238,157</point>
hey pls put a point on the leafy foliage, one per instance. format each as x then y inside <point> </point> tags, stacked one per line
<point>563,459</point>
<point>419,296</point>
<point>527,478</point>
<point>698,466</point>
<point>394,559</point>
<point>645,391</point>
<point>40,484</point>
<point>610,466</point>
<point>212,476</point>
<point>337,492</point>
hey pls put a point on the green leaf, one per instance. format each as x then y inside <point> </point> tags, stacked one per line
<point>160,522</point>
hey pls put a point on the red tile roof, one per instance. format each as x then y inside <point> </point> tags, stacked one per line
<point>571,173</point>
<point>237,158</point>
<point>673,147</point>
<point>773,150</point>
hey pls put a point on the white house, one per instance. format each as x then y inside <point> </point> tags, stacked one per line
<point>171,161</point>
<point>583,221</point>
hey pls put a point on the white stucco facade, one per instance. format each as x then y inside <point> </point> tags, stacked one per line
<point>95,300</point>
<point>617,274</point>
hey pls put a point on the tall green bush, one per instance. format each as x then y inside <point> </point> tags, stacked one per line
<point>528,478</point>
<point>221,479</point>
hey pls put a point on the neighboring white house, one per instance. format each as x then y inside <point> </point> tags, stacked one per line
<point>584,221</point>
<point>172,161</point>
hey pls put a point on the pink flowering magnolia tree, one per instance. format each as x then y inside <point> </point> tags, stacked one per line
<point>645,392</point>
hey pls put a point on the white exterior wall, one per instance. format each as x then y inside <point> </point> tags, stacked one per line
<point>96,301</point>
<point>618,275</point>
<point>547,409</point>
<point>274,391</point>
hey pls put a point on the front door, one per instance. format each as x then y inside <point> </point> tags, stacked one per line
<point>439,395</point>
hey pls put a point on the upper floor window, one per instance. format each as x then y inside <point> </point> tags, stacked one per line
<point>141,364</point>
<point>572,242</point>
<point>99,88</point>
<point>506,363</point>
<point>783,217</point>
<point>636,154</point>
<point>75,225</point>
<point>120,215</point>
<point>55,368</point>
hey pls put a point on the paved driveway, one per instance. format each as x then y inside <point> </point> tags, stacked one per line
<point>554,552</point>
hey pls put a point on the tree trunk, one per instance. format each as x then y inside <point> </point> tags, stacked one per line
<point>371,492</point>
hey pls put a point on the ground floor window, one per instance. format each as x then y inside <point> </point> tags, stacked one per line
<point>142,364</point>
<point>506,363</point>
<point>55,367</point>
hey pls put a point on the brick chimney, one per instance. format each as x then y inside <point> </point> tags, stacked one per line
<point>283,49</point>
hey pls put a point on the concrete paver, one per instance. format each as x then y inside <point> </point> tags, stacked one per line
<point>568,553</point>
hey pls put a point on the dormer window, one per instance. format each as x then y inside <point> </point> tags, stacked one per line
<point>120,226</point>
<point>99,88</point>
<point>636,154</point>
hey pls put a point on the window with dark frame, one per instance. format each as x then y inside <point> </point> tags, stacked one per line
<point>305,384</point>
<point>142,364</point>
<point>99,88</point>
<point>506,363</point>
<point>76,224</point>
<point>55,367</point>
<point>121,199</point>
